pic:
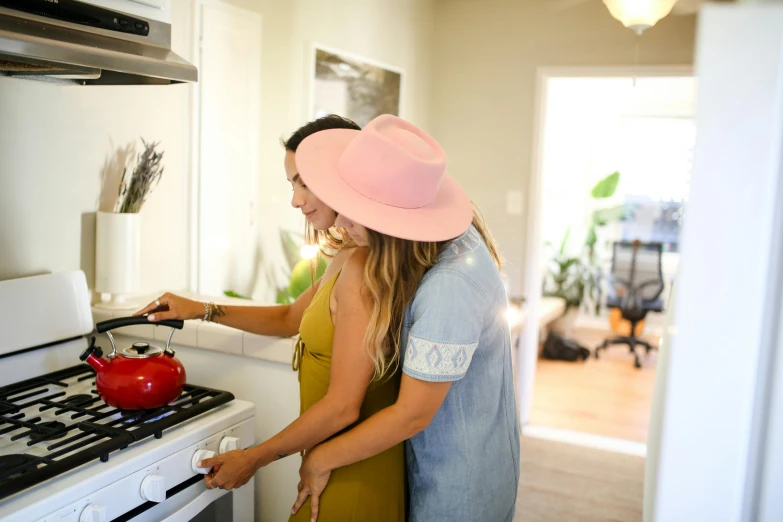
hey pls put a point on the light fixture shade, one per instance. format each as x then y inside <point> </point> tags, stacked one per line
<point>639,14</point>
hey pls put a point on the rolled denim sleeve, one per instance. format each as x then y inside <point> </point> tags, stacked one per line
<point>447,314</point>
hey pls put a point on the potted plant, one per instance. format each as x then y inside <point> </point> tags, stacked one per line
<point>601,216</point>
<point>117,233</point>
<point>566,279</point>
<point>576,278</point>
<point>305,265</point>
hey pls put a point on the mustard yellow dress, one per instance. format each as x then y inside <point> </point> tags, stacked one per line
<point>372,490</point>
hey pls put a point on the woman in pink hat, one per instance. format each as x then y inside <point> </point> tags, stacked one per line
<point>337,384</point>
<point>438,311</point>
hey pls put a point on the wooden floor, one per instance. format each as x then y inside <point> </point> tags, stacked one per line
<point>606,396</point>
<point>562,482</point>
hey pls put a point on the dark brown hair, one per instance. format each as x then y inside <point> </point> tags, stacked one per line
<point>329,122</point>
<point>331,240</point>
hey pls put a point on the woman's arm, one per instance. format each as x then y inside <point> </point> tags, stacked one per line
<point>278,321</point>
<point>350,375</point>
<point>351,372</point>
<point>415,408</point>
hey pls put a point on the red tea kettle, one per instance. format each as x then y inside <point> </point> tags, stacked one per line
<point>140,376</point>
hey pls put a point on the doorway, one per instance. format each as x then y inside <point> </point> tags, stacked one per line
<point>226,178</point>
<point>612,164</point>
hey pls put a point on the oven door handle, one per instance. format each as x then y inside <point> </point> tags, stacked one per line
<point>195,506</point>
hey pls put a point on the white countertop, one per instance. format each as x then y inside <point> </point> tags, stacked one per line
<point>216,337</point>
<point>207,336</point>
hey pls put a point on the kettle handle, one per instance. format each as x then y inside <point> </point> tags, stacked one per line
<point>111,324</point>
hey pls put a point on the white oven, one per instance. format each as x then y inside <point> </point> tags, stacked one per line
<point>66,456</point>
<point>168,489</point>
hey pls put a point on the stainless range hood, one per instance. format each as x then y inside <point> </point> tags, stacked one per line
<point>76,42</point>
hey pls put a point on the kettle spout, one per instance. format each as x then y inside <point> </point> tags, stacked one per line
<point>92,356</point>
<point>97,363</point>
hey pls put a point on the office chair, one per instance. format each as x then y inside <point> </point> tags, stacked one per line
<point>636,284</point>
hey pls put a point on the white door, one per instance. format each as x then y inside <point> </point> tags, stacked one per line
<point>228,157</point>
<point>718,436</point>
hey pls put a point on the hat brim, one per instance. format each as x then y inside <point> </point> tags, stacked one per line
<point>317,162</point>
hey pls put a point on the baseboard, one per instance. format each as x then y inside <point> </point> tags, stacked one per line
<point>589,440</point>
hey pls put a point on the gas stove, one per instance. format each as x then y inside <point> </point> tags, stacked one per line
<point>67,456</point>
<point>55,423</point>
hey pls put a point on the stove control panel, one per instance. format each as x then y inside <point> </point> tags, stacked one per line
<point>198,457</point>
<point>168,480</point>
<point>229,444</point>
<point>153,488</point>
<point>94,513</point>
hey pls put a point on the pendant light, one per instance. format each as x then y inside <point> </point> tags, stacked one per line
<point>639,15</point>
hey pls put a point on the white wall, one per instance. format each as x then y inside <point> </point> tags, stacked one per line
<point>53,142</point>
<point>54,139</point>
<point>484,73</point>
<point>714,447</point>
<point>394,32</point>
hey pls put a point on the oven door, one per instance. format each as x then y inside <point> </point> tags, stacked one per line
<point>191,501</point>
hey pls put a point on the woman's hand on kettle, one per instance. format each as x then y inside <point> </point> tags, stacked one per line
<point>170,306</point>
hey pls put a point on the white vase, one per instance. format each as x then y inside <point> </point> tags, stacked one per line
<point>117,259</point>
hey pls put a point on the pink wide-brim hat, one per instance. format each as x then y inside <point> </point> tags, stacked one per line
<point>390,177</point>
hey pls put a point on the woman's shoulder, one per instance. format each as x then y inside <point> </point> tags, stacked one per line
<point>355,262</point>
<point>352,271</point>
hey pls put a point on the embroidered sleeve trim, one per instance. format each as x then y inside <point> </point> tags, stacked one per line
<point>447,360</point>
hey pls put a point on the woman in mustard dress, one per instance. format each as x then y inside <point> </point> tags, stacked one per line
<point>372,489</point>
<point>342,381</point>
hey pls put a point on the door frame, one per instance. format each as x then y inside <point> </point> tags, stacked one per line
<point>528,355</point>
<point>194,179</point>
<point>721,457</point>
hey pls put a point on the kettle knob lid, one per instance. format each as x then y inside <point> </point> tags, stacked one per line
<point>141,347</point>
<point>140,350</point>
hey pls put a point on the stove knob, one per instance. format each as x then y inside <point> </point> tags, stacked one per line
<point>94,513</point>
<point>201,455</point>
<point>229,444</point>
<point>153,488</point>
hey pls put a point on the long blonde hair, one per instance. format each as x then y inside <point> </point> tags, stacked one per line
<point>392,274</point>
<point>328,241</point>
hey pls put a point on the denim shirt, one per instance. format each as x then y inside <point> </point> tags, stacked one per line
<point>465,465</point>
